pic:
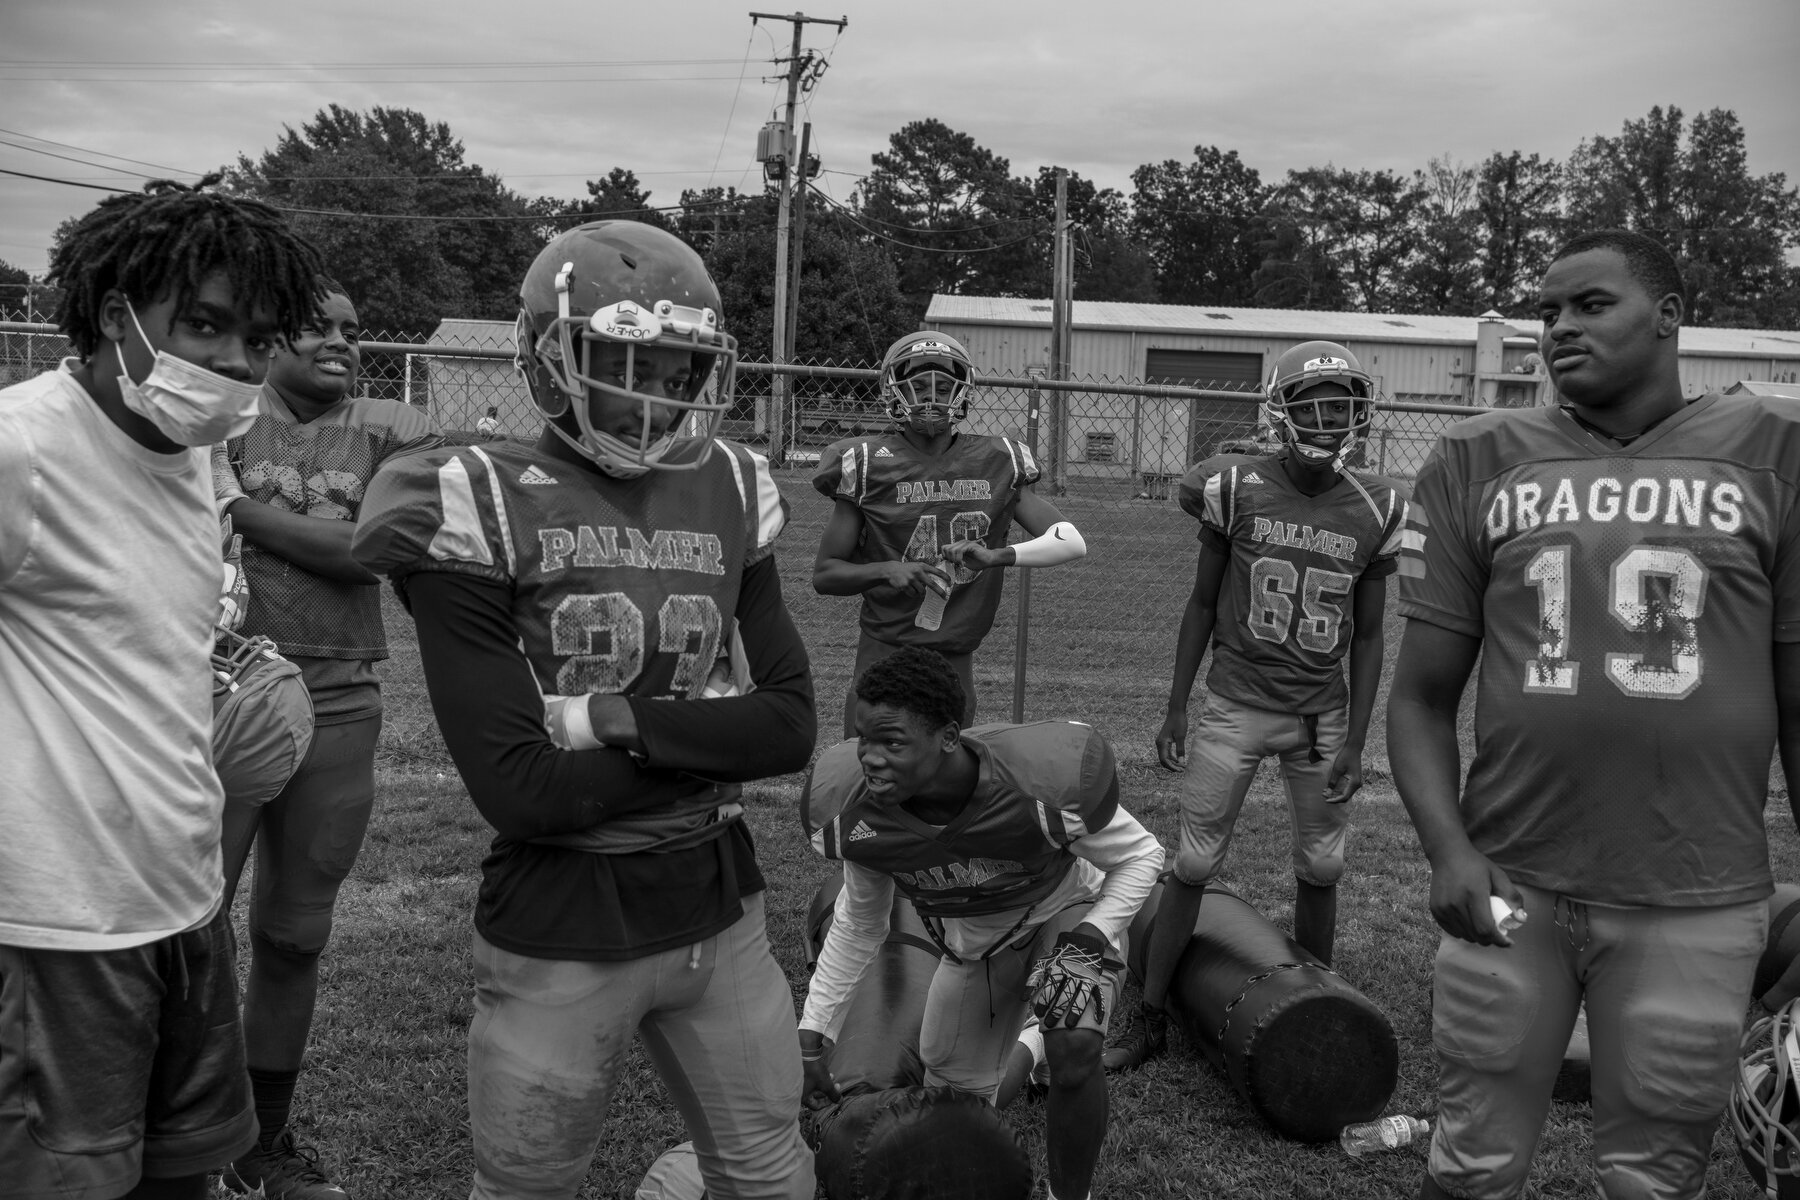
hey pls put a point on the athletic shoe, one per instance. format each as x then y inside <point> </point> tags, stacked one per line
<point>283,1170</point>
<point>1145,1038</point>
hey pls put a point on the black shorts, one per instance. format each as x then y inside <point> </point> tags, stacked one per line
<point>117,1064</point>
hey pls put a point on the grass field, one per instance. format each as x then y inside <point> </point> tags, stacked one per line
<point>383,1093</point>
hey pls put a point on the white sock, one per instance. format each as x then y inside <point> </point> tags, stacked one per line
<point>1032,1038</point>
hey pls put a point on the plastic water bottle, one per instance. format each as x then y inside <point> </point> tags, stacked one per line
<point>1389,1133</point>
<point>931,608</point>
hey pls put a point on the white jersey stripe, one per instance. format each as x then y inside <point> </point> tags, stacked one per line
<point>506,541</point>
<point>771,516</point>
<point>459,537</point>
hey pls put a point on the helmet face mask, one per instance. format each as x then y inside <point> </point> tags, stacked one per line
<point>1764,1109</point>
<point>923,373</point>
<point>625,286</point>
<point>1298,414</point>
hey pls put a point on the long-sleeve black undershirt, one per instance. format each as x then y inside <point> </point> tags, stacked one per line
<point>550,901</point>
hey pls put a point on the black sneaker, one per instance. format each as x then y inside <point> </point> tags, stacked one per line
<point>1145,1038</point>
<point>283,1170</point>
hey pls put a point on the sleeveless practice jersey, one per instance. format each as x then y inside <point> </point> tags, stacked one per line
<point>913,505</point>
<point>1627,600</point>
<point>319,469</point>
<point>617,586</point>
<point>1284,608</point>
<point>1040,787</point>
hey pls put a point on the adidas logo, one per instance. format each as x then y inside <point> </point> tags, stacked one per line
<point>534,474</point>
<point>861,831</point>
<point>884,452</point>
<point>1253,477</point>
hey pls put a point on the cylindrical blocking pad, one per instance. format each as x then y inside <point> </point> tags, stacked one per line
<point>1307,1051</point>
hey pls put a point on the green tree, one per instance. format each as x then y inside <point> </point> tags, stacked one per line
<point>1444,273</point>
<point>952,216</point>
<point>451,240</point>
<point>15,292</point>
<point>1341,235</point>
<point>1519,199</point>
<point>1201,223</point>
<point>1729,229</point>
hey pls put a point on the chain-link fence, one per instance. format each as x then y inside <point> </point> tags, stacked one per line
<point>1112,451</point>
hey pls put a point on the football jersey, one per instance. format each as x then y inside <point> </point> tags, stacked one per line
<point>319,469</point>
<point>1284,609</point>
<point>617,586</point>
<point>1627,599</point>
<point>913,505</point>
<point>1039,787</point>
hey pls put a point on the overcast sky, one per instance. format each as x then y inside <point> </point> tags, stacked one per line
<point>1099,88</point>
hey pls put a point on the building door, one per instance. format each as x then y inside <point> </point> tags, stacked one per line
<point>1211,421</point>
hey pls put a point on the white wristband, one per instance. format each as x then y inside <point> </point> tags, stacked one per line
<point>570,725</point>
<point>1060,543</point>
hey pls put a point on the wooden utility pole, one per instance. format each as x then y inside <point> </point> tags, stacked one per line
<point>797,65</point>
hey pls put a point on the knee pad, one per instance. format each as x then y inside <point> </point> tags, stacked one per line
<point>1192,869</point>
<point>1321,872</point>
<point>293,928</point>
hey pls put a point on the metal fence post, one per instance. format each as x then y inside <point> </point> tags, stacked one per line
<point>1022,631</point>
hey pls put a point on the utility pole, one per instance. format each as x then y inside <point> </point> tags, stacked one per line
<point>1062,287</point>
<point>797,65</point>
<point>795,259</point>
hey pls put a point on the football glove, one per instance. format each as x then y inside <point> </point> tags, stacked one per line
<point>1066,981</point>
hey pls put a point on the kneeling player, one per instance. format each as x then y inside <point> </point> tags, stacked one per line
<point>1011,844</point>
<point>572,597</point>
<point>1295,551</point>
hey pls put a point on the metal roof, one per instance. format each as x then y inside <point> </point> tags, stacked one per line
<point>1300,323</point>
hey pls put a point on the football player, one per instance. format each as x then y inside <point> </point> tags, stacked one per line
<point>920,516</point>
<point>1295,551</point>
<point>1012,845</point>
<point>121,1055</point>
<point>574,597</point>
<point>292,485</point>
<point>1626,568</point>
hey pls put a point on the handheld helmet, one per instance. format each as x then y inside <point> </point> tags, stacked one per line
<point>1295,420</point>
<point>1765,1102</point>
<point>909,362</point>
<point>625,283</point>
<point>262,717</point>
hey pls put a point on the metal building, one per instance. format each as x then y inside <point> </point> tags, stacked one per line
<point>1478,361</point>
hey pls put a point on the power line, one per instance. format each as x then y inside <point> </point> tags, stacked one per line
<point>742,69</point>
<point>855,219</point>
<point>481,64</point>
<point>78,161</point>
<point>100,153</point>
<point>460,82</point>
<point>98,187</point>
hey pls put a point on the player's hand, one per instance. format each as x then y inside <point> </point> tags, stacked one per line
<point>820,1089</point>
<point>1346,777</point>
<point>973,554</point>
<point>1463,884</point>
<point>1072,977</point>
<point>1171,740</point>
<point>911,578</point>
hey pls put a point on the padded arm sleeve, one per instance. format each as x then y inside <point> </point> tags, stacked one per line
<point>859,924</point>
<point>1132,858</point>
<point>1060,543</point>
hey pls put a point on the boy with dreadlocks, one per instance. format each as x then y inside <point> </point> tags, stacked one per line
<point>114,946</point>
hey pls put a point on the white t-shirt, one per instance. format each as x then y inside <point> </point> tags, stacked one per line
<point>109,584</point>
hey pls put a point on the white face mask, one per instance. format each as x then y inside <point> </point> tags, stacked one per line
<point>189,404</point>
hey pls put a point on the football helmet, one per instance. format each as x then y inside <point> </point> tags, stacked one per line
<point>1765,1105</point>
<point>625,283</point>
<point>262,717</point>
<point>1296,421</point>
<point>908,363</point>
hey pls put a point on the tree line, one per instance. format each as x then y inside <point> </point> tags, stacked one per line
<point>937,212</point>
